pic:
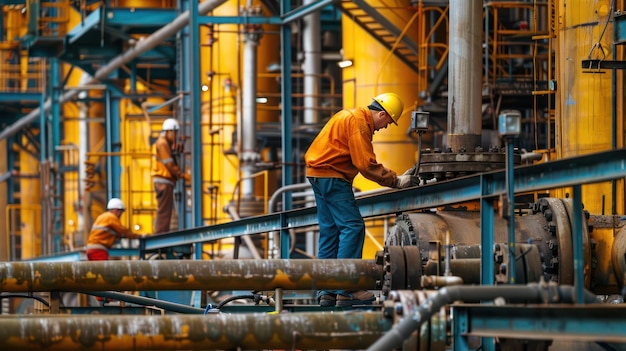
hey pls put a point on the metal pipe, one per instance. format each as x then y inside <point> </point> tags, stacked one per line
<point>252,331</point>
<point>465,75</point>
<point>249,154</point>
<point>147,301</point>
<point>531,293</point>
<point>141,47</point>
<point>272,245</point>
<point>435,281</point>
<point>312,47</point>
<point>294,274</point>
<point>231,208</point>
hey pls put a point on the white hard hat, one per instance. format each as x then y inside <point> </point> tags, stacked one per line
<point>170,124</point>
<point>115,204</point>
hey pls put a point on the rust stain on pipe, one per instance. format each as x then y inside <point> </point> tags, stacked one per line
<point>295,274</point>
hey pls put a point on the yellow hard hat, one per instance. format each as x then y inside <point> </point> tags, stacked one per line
<point>392,104</point>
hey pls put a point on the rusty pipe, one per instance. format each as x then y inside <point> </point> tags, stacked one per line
<point>255,331</point>
<point>436,281</point>
<point>293,274</point>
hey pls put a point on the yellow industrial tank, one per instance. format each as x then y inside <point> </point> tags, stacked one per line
<point>584,115</point>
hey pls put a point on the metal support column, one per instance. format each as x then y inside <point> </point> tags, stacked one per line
<point>486,257</point>
<point>196,137</point>
<point>43,152</point>
<point>55,159</point>
<point>577,245</point>
<point>186,60</point>
<point>112,144</point>
<point>511,208</point>
<point>486,231</point>
<point>285,82</point>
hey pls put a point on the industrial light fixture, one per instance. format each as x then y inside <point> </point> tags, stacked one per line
<point>261,100</point>
<point>419,121</point>
<point>510,123</point>
<point>205,87</point>
<point>345,63</point>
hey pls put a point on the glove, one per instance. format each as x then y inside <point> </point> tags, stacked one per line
<point>405,181</point>
<point>410,171</point>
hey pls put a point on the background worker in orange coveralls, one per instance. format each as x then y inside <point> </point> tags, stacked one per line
<point>165,173</point>
<point>106,229</point>
<point>341,150</point>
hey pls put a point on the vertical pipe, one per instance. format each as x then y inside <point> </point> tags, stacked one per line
<point>465,75</point>
<point>312,46</point>
<point>249,155</point>
<point>83,147</point>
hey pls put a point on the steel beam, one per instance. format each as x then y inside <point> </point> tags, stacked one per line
<point>295,274</point>
<point>290,331</point>
<point>570,323</point>
<point>587,169</point>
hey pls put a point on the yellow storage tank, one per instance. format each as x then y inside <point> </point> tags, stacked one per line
<point>584,111</point>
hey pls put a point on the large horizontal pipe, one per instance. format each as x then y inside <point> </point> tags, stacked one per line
<point>293,274</point>
<point>256,331</point>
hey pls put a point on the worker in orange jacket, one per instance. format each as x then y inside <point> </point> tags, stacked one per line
<point>341,150</point>
<point>165,174</point>
<point>106,229</point>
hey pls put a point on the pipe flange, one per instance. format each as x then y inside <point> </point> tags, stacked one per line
<point>394,273</point>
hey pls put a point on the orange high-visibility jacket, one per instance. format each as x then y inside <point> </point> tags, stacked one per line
<point>165,166</point>
<point>106,228</point>
<point>343,148</point>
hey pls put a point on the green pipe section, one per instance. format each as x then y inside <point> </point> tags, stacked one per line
<point>293,274</point>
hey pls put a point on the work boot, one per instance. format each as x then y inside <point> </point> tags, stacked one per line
<point>358,297</point>
<point>327,300</point>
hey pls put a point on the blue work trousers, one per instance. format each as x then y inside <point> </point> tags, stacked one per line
<point>342,229</point>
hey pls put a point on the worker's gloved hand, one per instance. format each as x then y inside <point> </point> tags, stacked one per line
<point>405,181</point>
<point>410,171</point>
<point>180,147</point>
